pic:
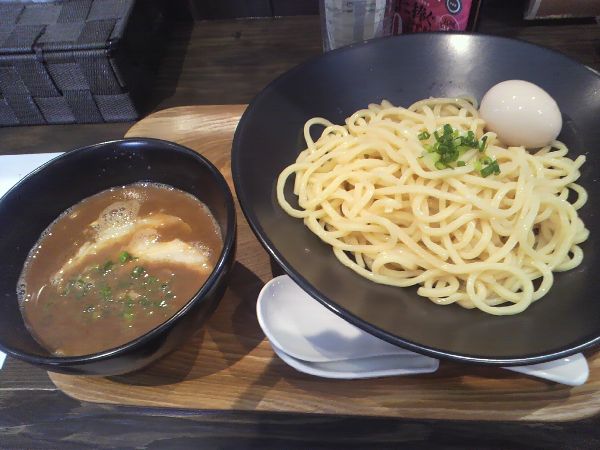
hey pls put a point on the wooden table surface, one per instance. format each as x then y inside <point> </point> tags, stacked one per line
<point>228,62</point>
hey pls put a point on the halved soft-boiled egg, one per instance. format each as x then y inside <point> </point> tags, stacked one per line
<point>521,114</point>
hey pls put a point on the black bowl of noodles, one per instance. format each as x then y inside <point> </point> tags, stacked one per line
<point>38,199</point>
<point>404,70</point>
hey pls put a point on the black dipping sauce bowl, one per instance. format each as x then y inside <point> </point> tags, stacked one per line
<point>32,204</point>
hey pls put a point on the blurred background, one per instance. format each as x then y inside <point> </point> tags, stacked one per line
<point>167,53</point>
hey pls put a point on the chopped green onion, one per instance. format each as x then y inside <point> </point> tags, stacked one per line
<point>105,293</point>
<point>490,168</point>
<point>469,140</point>
<point>107,266</point>
<point>137,272</point>
<point>125,257</point>
<point>449,145</point>
<point>482,144</point>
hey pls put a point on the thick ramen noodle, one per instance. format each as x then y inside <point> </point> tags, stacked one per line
<point>425,196</point>
<point>115,266</point>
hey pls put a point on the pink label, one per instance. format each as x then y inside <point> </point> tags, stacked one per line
<point>432,15</point>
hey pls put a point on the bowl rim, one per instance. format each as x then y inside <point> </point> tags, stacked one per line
<point>252,218</point>
<point>229,240</point>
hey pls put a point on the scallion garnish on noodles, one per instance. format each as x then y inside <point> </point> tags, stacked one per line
<point>448,144</point>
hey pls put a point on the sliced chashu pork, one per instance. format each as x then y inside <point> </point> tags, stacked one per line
<point>119,222</point>
<point>147,247</point>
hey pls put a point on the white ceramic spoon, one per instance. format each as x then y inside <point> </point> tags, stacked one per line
<point>306,330</point>
<point>374,367</point>
<point>313,339</point>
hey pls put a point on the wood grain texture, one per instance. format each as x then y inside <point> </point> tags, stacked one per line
<point>51,420</point>
<point>229,62</point>
<point>230,366</point>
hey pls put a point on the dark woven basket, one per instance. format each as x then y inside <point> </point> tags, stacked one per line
<point>78,61</point>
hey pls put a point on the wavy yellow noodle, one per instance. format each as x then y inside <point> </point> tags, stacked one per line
<point>491,243</point>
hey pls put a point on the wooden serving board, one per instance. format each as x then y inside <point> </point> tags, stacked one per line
<point>230,365</point>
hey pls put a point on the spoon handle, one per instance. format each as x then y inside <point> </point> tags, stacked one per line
<point>572,370</point>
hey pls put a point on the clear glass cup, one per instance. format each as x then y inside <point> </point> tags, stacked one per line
<point>344,22</point>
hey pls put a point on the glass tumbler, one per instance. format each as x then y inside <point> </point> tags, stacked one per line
<point>344,22</point>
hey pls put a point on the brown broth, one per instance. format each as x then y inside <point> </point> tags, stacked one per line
<point>113,296</point>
